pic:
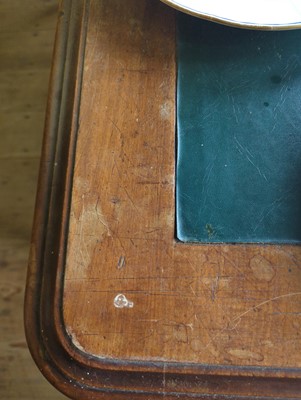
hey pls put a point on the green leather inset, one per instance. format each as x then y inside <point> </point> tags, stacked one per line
<point>239,134</point>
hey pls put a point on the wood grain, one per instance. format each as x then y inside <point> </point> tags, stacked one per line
<point>116,307</point>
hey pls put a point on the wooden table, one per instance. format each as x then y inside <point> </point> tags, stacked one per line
<point>116,307</point>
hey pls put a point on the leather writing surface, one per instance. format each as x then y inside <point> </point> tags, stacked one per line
<point>238,134</point>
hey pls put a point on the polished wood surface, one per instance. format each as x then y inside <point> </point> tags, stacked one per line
<point>126,310</point>
<point>26,44</point>
<point>191,303</point>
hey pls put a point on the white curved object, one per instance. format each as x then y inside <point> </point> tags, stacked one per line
<point>254,14</point>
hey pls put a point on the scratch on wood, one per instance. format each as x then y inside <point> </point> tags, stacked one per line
<point>121,262</point>
<point>131,200</point>
<point>238,269</point>
<point>115,126</point>
<point>149,320</point>
<point>100,218</point>
<point>232,325</point>
<point>193,291</point>
<point>263,303</point>
<point>214,288</point>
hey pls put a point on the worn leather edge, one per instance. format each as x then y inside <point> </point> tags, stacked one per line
<point>73,372</point>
